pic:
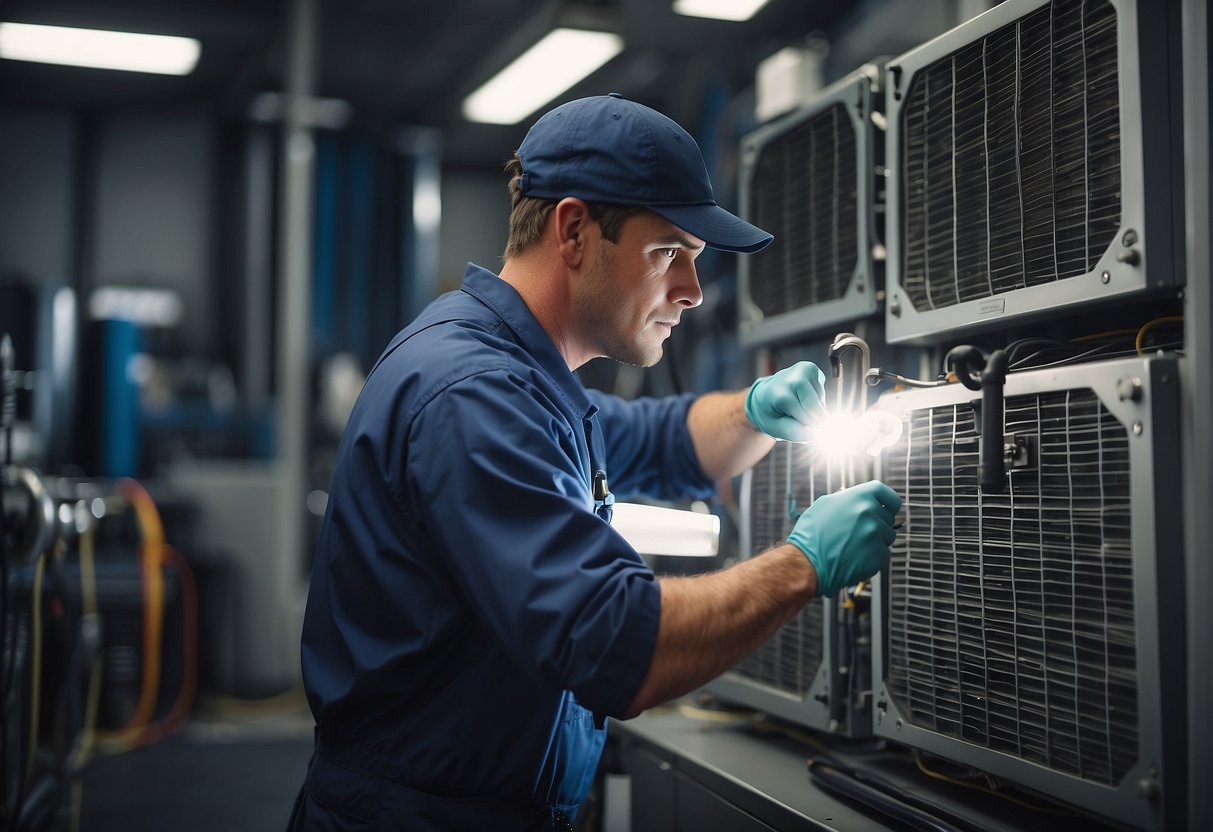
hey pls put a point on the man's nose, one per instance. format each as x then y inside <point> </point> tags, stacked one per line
<point>686,291</point>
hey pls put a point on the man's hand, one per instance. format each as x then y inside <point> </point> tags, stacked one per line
<point>846,535</point>
<point>785,404</point>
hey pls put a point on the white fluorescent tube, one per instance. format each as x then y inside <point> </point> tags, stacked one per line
<point>652,530</point>
<point>163,54</point>
<point>544,71</point>
<point>735,10</point>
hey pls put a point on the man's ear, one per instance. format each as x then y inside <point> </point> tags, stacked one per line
<point>571,216</point>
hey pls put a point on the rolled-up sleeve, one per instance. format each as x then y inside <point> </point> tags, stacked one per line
<point>495,482</point>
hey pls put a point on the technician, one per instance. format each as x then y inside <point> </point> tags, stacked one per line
<point>473,618</point>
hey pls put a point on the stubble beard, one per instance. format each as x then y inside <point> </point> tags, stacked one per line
<point>599,306</point>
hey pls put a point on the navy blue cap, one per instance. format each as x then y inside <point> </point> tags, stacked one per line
<point>611,150</point>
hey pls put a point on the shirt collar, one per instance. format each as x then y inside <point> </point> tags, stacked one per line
<point>504,300</point>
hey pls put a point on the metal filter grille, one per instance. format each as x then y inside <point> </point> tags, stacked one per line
<point>804,191</point>
<point>1010,162</point>
<point>790,659</point>
<point>1011,619</point>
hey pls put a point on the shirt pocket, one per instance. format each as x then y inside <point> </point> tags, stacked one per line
<point>572,757</point>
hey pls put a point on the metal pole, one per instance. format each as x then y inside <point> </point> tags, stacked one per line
<point>422,152</point>
<point>1197,403</point>
<point>295,295</point>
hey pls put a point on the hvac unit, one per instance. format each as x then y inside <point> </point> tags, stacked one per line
<point>1038,634</point>
<point>809,179</point>
<point>815,670</point>
<point>1033,165</point>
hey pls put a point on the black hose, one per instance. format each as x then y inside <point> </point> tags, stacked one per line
<point>840,782</point>
<point>991,471</point>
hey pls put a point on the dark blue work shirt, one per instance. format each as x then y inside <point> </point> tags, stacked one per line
<point>473,617</point>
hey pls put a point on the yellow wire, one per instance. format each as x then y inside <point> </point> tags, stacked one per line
<point>1047,810</point>
<point>35,684</point>
<point>1141,333</point>
<point>88,588</point>
<point>1109,334</point>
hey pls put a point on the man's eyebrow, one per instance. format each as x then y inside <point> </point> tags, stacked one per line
<point>685,242</point>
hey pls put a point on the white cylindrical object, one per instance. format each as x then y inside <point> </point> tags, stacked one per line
<point>652,530</point>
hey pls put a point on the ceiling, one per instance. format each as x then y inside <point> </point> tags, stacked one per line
<point>404,63</point>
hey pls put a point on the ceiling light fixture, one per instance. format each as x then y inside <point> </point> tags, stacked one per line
<point>163,54</point>
<point>562,58</point>
<point>735,10</point>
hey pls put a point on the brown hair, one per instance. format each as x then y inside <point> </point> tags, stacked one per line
<point>528,215</point>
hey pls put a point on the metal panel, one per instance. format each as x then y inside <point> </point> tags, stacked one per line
<point>812,670</point>
<point>1032,165</point>
<point>809,178</point>
<point>1033,634</point>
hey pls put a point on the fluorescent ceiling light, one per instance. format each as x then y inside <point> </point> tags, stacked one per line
<point>544,71</point>
<point>719,9</point>
<point>163,54</point>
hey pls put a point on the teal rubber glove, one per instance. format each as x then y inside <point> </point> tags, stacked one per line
<point>785,404</point>
<point>846,535</point>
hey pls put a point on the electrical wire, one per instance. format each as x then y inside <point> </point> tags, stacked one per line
<point>35,685</point>
<point>83,751</point>
<point>955,781</point>
<point>1139,341</point>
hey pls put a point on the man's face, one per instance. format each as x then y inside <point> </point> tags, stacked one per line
<point>635,291</point>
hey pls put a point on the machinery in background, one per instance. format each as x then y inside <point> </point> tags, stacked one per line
<point>97,629</point>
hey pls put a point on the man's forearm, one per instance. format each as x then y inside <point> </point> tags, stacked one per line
<point>725,441</point>
<point>710,622</point>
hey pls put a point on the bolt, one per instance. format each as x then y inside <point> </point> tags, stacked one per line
<point>834,726</point>
<point>1138,428</point>
<point>899,725</point>
<point>895,308</point>
<point>1129,389</point>
<point>1106,277</point>
<point>1147,789</point>
<point>1128,256</point>
<point>1129,238</point>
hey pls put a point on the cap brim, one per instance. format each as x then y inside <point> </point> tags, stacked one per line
<point>716,227</point>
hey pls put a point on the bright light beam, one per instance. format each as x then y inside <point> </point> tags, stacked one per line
<point>839,436</point>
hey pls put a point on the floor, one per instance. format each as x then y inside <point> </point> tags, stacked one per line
<point>236,766</point>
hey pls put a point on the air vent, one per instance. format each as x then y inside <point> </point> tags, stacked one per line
<point>808,179</point>
<point>1011,619</point>
<point>789,661</point>
<point>1011,159</point>
<point>812,671</point>
<point>1020,632</point>
<point>1032,169</point>
<point>804,192</point>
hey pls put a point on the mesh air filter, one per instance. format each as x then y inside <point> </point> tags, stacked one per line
<point>804,191</point>
<point>789,660</point>
<point>1011,617</point>
<point>1010,159</point>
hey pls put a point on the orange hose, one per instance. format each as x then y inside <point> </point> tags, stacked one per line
<point>171,722</point>
<point>151,557</point>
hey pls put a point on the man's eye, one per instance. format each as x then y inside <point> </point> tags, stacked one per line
<point>669,253</point>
